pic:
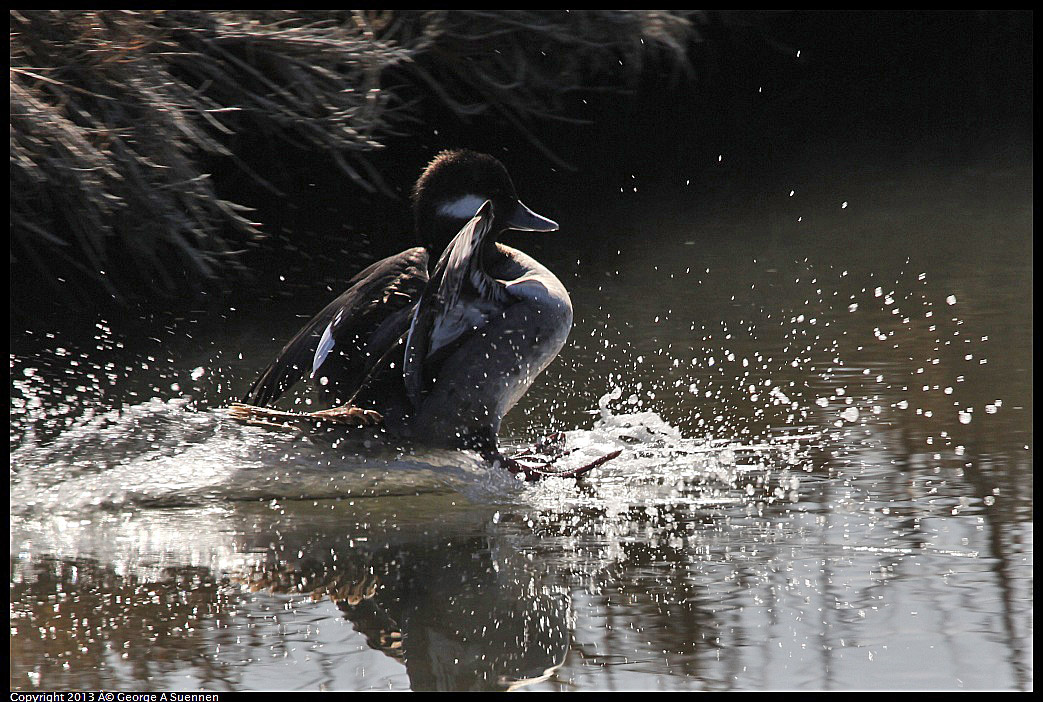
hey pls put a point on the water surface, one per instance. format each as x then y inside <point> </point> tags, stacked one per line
<point>821,384</point>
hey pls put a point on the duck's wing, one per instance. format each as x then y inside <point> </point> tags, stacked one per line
<point>451,305</point>
<point>355,330</point>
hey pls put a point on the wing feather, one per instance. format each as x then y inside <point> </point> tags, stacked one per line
<point>346,328</point>
<point>448,306</point>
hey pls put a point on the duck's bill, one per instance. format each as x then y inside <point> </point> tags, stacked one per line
<point>526,220</point>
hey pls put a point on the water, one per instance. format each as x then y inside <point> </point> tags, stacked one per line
<point>824,403</point>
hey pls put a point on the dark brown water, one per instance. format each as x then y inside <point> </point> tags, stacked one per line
<point>823,392</point>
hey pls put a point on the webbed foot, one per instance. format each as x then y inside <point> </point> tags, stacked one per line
<point>349,415</point>
<point>268,416</point>
<point>539,471</point>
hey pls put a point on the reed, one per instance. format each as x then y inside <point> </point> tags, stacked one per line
<point>114,111</point>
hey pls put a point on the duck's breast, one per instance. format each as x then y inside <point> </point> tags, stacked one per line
<point>496,364</point>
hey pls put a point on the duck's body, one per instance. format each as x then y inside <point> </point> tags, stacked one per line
<point>441,353</point>
<point>479,338</point>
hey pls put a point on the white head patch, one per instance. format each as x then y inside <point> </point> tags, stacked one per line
<point>462,208</point>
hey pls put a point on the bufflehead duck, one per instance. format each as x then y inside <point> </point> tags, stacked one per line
<point>441,355</point>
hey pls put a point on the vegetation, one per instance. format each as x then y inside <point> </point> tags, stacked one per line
<point>114,111</point>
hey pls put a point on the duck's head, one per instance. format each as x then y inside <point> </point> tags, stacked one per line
<point>452,188</point>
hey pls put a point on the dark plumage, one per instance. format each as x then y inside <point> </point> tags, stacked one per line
<point>364,322</point>
<point>351,348</point>
<point>437,357</point>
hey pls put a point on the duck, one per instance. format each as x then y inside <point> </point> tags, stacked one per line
<point>436,350</point>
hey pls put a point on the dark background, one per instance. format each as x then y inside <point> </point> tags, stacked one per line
<point>952,82</point>
<point>761,88</point>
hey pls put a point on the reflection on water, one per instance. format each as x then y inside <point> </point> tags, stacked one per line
<point>824,401</point>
